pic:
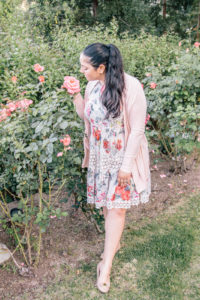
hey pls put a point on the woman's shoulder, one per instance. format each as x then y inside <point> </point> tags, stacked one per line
<point>131,81</point>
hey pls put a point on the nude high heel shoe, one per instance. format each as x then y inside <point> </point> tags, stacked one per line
<point>103,287</point>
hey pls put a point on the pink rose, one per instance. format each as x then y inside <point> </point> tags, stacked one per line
<point>4,113</point>
<point>23,104</point>
<point>197,44</point>
<point>142,85</point>
<point>66,141</point>
<point>59,154</point>
<point>14,79</point>
<point>148,74</point>
<point>179,44</point>
<point>53,217</point>
<point>153,85</point>
<point>11,106</point>
<point>147,119</point>
<point>41,78</point>
<point>71,84</point>
<point>162,176</point>
<point>38,68</point>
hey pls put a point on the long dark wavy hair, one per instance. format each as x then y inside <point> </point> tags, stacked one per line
<point>110,56</point>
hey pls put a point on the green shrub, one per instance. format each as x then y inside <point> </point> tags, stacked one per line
<point>174,104</point>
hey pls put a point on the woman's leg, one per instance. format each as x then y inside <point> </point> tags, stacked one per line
<point>114,225</point>
<point>105,212</point>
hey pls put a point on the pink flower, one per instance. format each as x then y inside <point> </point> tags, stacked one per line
<point>23,104</point>
<point>152,151</point>
<point>184,180</point>
<point>11,106</point>
<point>162,176</point>
<point>147,119</point>
<point>153,85</point>
<point>4,113</point>
<point>142,85</point>
<point>97,134</point>
<point>14,79</point>
<point>180,192</point>
<point>118,145</point>
<point>148,74</point>
<point>41,78</point>
<point>66,141</point>
<point>155,167</point>
<point>88,110</point>
<point>38,68</point>
<point>197,44</point>
<point>113,197</point>
<point>179,44</point>
<point>170,185</point>
<point>23,93</point>
<point>71,84</point>
<point>59,154</point>
<point>53,217</point>
<point>68,148</point>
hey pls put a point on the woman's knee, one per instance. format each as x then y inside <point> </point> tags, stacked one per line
<point>119,212</point>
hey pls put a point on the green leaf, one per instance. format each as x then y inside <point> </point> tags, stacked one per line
<point>64,125</point>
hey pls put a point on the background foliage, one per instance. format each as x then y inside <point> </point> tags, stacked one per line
<point>155,17</point>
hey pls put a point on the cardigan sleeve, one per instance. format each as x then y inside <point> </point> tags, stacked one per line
<point>136,115</point>
<point>79,102</point>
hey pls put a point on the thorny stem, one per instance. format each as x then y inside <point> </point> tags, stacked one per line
<point>40,210</point>
<point>29,245</point>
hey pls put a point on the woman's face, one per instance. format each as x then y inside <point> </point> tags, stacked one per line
<point>89,71</point>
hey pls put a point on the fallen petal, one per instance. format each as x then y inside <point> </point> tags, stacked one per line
<point>162,176</point>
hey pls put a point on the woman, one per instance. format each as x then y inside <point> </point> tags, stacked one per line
<point>116,150</point>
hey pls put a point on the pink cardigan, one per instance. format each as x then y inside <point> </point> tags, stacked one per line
<point>136,157</point>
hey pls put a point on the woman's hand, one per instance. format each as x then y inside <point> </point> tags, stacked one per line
<point>123,178</point>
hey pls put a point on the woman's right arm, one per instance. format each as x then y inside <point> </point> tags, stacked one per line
<point>79,102</point>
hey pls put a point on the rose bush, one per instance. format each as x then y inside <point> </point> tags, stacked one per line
<point>174,105</point>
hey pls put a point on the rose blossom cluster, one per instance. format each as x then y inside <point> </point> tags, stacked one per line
<point>37,69</point>
<point>71,84</point>
<point>13,106</point>
<point>65,141</point>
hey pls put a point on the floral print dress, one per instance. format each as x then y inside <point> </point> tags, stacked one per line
<point>107,148</point>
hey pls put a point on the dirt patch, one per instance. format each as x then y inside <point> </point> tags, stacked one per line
<point>73,240</point>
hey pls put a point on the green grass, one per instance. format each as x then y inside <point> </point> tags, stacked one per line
<point>160,261</point>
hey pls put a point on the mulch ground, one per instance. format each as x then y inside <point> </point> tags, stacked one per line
<point>73,239</point>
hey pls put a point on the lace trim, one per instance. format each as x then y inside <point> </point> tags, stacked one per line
<point>142,198</point>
